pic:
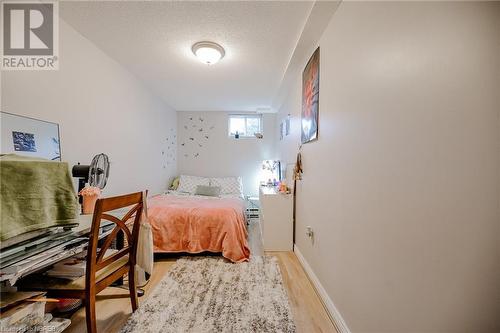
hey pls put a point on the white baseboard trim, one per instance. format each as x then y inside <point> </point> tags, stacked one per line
<point>327,302</point>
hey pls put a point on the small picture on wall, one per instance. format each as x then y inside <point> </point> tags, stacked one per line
<point>281,131</point>
<point>24,141</point>
<point>287,126</point>
<point>310,99</point>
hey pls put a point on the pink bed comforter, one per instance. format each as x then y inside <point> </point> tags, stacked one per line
<point>193,225</point>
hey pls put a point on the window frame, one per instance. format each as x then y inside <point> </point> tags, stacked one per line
<point>246,117</point>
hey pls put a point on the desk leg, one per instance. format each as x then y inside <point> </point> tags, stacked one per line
<point>120,243</point>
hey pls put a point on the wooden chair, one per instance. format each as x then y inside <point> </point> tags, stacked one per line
<point>101,270</point>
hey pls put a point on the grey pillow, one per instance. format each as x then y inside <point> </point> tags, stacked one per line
<point>209,191</point>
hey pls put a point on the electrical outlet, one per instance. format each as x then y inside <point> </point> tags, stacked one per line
<point>309,231</point>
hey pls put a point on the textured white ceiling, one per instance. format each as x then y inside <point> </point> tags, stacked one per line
<point>153,40</point>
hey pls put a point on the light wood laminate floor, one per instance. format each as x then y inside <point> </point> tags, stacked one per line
<point>113,305</point>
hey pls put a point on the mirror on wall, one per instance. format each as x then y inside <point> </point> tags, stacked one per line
<point>29,137</point>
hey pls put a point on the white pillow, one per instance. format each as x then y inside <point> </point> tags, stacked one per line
<point>228,185</point>
<point>188,184</point>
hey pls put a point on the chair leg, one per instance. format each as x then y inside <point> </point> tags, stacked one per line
<point>90,314</point>
<point>132,281</point>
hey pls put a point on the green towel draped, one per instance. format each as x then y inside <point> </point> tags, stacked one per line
<point>34,194</point>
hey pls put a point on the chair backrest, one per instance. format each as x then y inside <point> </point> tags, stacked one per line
<point>96,259</point>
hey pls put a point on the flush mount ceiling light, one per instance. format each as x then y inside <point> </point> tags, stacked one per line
<point>208,52</point>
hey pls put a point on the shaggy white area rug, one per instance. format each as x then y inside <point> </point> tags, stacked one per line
<point>210,294</point>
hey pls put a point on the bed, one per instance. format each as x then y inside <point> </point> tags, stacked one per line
<point>185,222</point>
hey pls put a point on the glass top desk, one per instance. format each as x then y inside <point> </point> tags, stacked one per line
<point>53,245</point>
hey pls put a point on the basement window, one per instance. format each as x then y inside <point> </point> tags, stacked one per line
<point>244,125</point>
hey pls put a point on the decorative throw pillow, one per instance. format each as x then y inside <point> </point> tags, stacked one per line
<point>175,184</point>
<point>228,185</point>
<point>188,183</point>
<point>209,191</point>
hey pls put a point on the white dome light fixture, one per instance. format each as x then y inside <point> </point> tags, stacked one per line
<point>208,52</point>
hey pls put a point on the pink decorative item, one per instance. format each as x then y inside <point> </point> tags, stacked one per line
<point>283,188</point>
<point>90,195</point>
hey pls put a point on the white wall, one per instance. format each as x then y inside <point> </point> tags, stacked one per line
<point>402,188</point>
<point>221,155</point>
<point>100,107</point>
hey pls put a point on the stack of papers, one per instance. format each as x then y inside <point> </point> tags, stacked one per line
<point>22,316</point>
<point>69,268</point>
